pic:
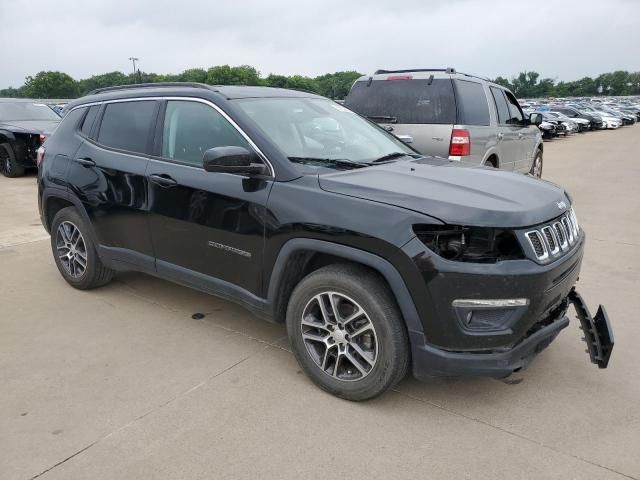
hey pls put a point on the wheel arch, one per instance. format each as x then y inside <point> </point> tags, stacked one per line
<point>6,136</point>
<point>299,257</point>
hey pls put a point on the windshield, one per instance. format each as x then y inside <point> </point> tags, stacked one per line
<point>26,111</point>
<point>319,132</point>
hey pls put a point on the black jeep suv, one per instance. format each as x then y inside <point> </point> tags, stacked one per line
<point>377,258</point>
<point>24,125</point>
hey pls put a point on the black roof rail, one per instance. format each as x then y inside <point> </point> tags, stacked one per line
<point>450,70</point>
<point>148,85</point>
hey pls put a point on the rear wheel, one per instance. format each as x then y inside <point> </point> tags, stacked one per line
<point>8,165</point>
<point>536,167</point>
<point>347,333</point>
<point>75,253</point>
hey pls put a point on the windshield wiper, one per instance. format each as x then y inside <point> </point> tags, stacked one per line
<point>388,118</point>
<point>391,156</point>
<point>341,162</point>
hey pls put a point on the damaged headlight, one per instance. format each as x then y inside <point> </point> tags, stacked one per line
<point>470,244</point>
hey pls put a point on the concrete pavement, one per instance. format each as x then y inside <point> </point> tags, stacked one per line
<point>121,382</point>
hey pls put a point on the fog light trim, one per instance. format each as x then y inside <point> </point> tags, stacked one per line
<point>491,303</point>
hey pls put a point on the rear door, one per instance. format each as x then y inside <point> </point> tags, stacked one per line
<point>424,109</point>
<point>527,134</point>
<point>207,228</point>
<point>508,142</point>
<point>108,175</point>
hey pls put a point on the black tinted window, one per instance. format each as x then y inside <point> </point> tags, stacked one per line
<point>87,123</point>
<point>515,113</point>
<point>191,128</point>
<point>472,103</point>
<point>408,101</point>
<point>126,125</point>
<point>501,105</point>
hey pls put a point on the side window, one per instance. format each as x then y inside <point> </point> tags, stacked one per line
<point>126,125</point>
<point>515,113</point>
<point>191,128</point>
<point>89,118</point>
<point>472,103</point>
<point>501,105</point>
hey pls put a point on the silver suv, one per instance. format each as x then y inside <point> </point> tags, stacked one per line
<point>452,115</point>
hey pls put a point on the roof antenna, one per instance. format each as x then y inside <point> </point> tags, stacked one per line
<point>369,81</point>
<point>430,81</point>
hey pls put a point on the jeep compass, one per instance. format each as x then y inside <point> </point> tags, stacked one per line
<point>378,259</point>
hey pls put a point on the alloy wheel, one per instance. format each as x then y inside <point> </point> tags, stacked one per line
<point>537,166</point>
<point>339,336</point>
<point>71,249</point>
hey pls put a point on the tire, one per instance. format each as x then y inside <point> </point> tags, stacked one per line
<point>536,170</point>
<point>378,332</point>
<point>8,165</point>
<point>76,252</point>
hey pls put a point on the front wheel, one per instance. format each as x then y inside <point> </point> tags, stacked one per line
<point>347,333</point>
<point>8,165</point>
<point>536,167</point>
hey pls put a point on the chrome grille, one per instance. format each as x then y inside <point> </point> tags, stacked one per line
<point>556,238</point>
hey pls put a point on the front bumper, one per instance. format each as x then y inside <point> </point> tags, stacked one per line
<point>431,363</point>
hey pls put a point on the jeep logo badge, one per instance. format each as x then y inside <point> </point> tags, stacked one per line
<point>561,205</point>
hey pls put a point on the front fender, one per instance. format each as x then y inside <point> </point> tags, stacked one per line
<point>382,266</point>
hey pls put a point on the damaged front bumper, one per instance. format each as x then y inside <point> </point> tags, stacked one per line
<point>431,363</point>
<point>598,333</point>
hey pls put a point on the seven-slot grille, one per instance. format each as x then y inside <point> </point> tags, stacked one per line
<point>556,238</point>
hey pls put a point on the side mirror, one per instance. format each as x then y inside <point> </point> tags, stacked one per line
<point>535,118</point>
<point>236,160</point>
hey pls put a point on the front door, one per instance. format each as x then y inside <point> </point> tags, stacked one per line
<point>524,133</point>
<point>207,228</point>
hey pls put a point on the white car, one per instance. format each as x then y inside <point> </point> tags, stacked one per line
<point>610,122</point>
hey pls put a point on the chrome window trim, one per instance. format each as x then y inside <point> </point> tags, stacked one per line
<point>262,156</point>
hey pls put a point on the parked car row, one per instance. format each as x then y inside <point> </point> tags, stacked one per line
<point>579,115</point>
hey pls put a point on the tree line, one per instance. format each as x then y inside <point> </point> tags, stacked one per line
<point>50,84</point>
<point>61,85</point>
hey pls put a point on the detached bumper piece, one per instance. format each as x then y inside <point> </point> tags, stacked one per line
<point>597,330</point>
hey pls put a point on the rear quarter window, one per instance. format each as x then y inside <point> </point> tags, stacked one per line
<point>472,103</point>
<point>408,101</point>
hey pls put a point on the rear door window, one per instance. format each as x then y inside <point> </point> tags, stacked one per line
<point>126,125</point>
<point>501,105</point>
<point>89,118</point>
<point>404,101</point>
<point>472,103</point>
<point>514,109</point>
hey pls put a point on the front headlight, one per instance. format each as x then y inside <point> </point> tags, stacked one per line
<point>470,244</point>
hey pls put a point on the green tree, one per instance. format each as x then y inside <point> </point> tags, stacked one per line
<point>51,85</point>
<point>336,85</point>
<point>198,75</point>
<point>101,81</point>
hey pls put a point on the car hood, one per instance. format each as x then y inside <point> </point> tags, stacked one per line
<point>45,127</point>
<point>454,194</point>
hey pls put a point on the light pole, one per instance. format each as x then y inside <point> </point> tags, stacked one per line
<point>134,60</point>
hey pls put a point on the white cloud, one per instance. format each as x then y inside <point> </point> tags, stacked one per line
<point>566,40</point>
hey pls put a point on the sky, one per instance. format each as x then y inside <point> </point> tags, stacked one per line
<point>563,39</point>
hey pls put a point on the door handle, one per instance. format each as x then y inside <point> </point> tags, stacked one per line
<point>86,162</point>
<point>520,135</point>
<point>163,180</point>
<point>500,136</point>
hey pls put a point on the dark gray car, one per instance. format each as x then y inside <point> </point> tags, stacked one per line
<point>452,115</point>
